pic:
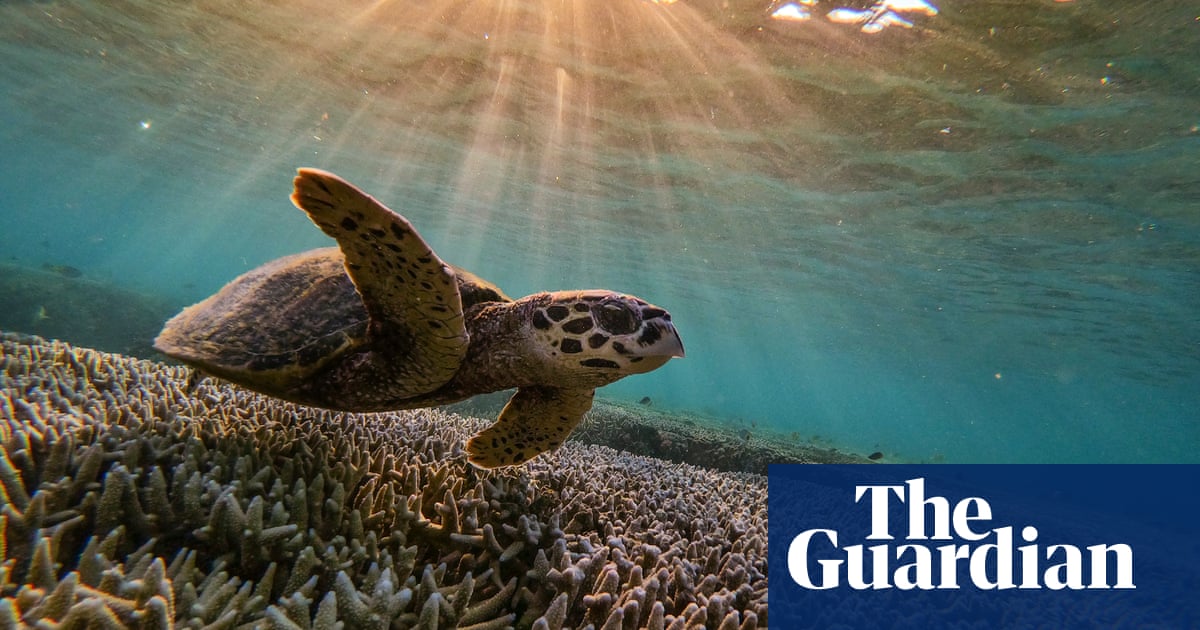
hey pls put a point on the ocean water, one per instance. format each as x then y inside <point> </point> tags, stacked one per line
<point>964,236</point>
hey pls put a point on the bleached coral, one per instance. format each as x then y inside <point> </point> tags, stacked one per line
<point>128,500</point>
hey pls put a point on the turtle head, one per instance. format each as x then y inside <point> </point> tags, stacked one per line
<point>592,338</point>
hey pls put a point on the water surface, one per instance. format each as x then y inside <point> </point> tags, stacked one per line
<point>971,239</point>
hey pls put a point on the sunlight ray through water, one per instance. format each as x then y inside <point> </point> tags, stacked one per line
<point>962,232</point>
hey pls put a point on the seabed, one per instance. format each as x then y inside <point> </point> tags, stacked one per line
<point>129,501</point>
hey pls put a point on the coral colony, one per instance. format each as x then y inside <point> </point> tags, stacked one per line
<point>128,500</point>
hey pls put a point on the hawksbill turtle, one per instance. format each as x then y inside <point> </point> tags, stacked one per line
<point>381,323</point>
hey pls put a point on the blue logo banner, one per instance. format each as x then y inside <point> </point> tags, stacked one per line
<point>984,546</point>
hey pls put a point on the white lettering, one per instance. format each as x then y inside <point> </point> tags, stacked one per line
<point>856,576</point>
<point>1124,555</point>
<point>950,555</point>
<point>918,573</point>
<point>879,509</point>
<point>963,517</point>
<point>916,512</point>
<point>1004,560</point>
<point>1067,574</point>
<point>1029,558</point>
<point>990,566</point>
<point>797,559</point>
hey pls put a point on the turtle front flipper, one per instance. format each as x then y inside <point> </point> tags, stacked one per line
<point>535,420</point>
<point>418,337</point>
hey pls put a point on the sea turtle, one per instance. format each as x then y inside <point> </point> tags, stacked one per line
<point>381,323</point>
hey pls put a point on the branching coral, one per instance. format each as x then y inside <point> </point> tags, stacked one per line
<point>129,500</point>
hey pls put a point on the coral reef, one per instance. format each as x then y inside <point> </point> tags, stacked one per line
<point>130,500</point>
<point>687,439</point>
<point>695,440</point>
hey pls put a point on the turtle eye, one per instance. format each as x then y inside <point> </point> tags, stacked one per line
<point>616,318</point>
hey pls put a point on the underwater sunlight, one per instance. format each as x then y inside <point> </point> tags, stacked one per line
<point>956,231</point>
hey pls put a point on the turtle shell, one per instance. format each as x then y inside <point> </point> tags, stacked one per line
<point>276,326</point>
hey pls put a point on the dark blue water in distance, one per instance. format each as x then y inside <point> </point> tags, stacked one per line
<point>969,235</point>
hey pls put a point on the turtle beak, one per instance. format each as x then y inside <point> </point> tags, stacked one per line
<point>672,344</point>
<point>658,344</point>
<point>668,343</point>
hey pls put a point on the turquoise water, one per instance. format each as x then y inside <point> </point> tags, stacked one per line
<point>975,239</point>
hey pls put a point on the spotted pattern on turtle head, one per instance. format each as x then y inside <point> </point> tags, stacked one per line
<point>604,332</point>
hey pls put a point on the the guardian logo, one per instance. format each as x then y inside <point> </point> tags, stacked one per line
<point>942,542</point>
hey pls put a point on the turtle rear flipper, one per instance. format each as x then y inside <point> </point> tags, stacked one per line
<point>417,334</point>
<point>535,420</point>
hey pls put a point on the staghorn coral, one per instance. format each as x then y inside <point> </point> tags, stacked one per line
<point>129,501</point>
